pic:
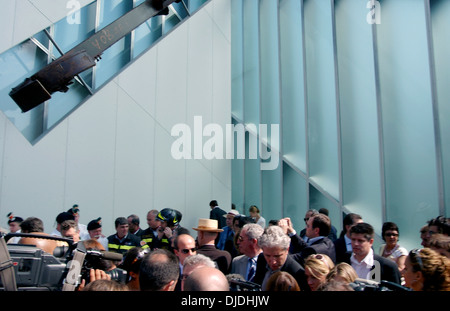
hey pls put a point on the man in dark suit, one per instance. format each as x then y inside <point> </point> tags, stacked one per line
<point>317,229</point>
<point>275,257</point>
<point>207,233</point>
<point>366,263</point>
<point>343,245</point>
<point>217,213</point>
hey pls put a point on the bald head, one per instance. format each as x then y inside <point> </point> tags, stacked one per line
<point>206,279</point>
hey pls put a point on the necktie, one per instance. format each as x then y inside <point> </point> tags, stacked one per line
<point>252,270</point>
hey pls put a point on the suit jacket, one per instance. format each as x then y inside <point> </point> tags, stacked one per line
<point>323,246</point>
<point>341,250</point>
<point>291,266</point>
<point>239,265</point>
<point>388,269</point>
<point>217,214</point>
<point>222,258</point>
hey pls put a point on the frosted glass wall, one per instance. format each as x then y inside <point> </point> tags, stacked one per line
<point>358,89</point>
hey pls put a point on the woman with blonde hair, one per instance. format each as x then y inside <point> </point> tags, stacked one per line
<point>342,273</point>
<point>317,267</point>
<point>427,270</point>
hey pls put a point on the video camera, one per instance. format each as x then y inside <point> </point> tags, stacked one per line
<point>363,285</point>
<point>36,270</point>
<point>237,284</point>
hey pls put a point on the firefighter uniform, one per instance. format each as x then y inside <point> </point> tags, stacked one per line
<point>123,245</point>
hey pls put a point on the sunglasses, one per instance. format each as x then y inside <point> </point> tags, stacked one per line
<point>321,258</point>
<point>187,250</point>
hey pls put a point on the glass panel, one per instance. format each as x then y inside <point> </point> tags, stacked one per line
<point>295,197</point>
<point>237,64</point>
<point>252,178</point>
<point>318,200</point>
<point>78,31</point>
<point>321,86</point>
<point>358,110</point>
<point>16,64</point>
<point>292,83</point>
<point>409,145</point>
<point>146,34</point>
<point>251,62</point>
<point>237,179</point>
<point>440,11</point>
<point>118,55</point>
<point>270,70</point>
<point>272,193</point>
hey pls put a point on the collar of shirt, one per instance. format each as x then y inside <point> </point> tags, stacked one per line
<point>318,238</point>
<point>348,243</point>
<point>368,260</point>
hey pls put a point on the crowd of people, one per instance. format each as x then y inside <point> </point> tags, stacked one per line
<point>230,249</point>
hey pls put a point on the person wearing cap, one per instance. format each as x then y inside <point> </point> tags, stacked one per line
<point>207,231</point>
<point>14,227</point>
<point>122,241</point>
<point>75,211</point>
<point>94,229</point>
<point>226,238</point>
<point>170,222</point>
<point>59,220</point>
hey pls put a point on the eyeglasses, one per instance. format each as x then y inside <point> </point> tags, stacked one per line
<point>417,256</point>
<point>306,219</point>
<point>187,250</point>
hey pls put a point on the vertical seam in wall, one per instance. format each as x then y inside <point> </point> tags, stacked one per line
<point>305,98</point>
<point>188,26</point>
<point>379,122</point>
<point>435,107</point>
<point>280,119</point>
<point>338,105</point>
<point>258,138</point>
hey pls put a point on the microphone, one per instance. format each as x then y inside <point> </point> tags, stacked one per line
<point>105,255</point>
<point>111,256</point>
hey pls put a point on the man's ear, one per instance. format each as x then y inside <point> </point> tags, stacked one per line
<point>170,286</point>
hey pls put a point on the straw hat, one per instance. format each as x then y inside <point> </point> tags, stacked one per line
<point>210,225</point>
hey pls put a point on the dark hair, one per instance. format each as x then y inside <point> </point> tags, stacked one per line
<point>388,226</point>
<point>349,219</point>
<point>324,211</point>
<point>120,221</point>
<point>322,222</point>
<point>363,228</point>
<point>254,209</point>
<point>134,219</point>
<point>213,203</point>
<point>32,224</point>
<point>133,258</point>
<point>157,271</point>
<point>442,223</point>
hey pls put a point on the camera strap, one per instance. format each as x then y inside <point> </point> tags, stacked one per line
<point>75,265</point>
<point>7,272</point>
